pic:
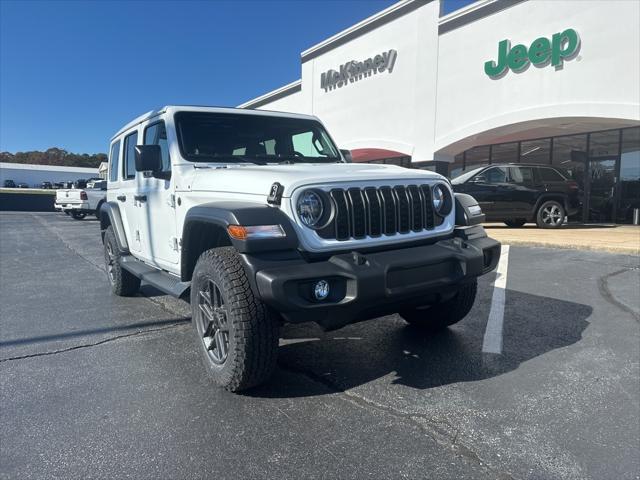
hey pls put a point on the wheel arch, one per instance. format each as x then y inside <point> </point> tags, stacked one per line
<point>205,227</point>
<point>110,217</point>
<point>545,197</point>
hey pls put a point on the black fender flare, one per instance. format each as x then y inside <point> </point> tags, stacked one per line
<point>468,212</point>
<point>110,215</point>
<point>223,214</point>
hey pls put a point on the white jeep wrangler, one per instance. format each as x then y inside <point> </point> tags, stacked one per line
<point>260,219</point>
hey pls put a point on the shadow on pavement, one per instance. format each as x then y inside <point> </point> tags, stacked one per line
<point>94,331</point>
<point>365,352</point>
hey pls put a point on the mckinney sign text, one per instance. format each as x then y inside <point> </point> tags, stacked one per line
<point>540,53</point>
<point>355,70</point>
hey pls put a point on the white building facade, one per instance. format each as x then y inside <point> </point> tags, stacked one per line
<point>536,81</point>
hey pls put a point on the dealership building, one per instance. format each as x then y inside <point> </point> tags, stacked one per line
<point>535,81</point>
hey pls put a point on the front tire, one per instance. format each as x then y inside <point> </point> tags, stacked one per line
<point>550,215</point>
<point>78,215</point>
<point>123,283</point>
<point>236,334</point>
<point>443,314</point>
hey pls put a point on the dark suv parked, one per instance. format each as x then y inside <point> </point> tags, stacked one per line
<point>520,193</point>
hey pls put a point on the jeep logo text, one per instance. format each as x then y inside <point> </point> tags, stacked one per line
<point>541,52</point>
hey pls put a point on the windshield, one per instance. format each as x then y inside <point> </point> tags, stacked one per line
<point>234,137</point>
<point>466,176</point>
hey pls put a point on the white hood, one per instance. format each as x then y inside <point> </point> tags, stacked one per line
<point>257,180</point>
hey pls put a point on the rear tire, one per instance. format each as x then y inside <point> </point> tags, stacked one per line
<point>236,334</point>
<point>515,222</point>
<point>78,215</point>
<point>443,314</point>
<point>550,215</point>
<point>123,283</point>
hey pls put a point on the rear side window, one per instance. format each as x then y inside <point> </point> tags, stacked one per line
<point>114,161</point>
<point>156,134</point>
<point>550,175</point>
<point>521,174</point>
<point>130,142</point>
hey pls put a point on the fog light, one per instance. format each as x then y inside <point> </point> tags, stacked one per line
<point>321,289</point>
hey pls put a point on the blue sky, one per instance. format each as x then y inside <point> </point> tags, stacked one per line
<point>72,73</point>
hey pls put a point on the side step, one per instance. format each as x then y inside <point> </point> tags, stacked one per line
<point>168,283</point>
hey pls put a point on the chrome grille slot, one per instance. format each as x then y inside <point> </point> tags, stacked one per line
<point>371,211</point>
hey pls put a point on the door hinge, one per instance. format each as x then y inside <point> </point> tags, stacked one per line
<point>171,201</point>
<point>173,243</point>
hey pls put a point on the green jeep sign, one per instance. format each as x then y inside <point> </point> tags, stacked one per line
<point>541,52</point>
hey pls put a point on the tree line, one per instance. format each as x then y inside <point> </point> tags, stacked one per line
<point>55,156</point>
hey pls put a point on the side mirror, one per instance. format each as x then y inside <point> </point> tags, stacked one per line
<point>148,158</point>
<point>346,154</point>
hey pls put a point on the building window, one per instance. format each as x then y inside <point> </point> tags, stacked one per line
<point>457,166</point>
<point>536,151</point>
<point>476,157</point>
<point>504,153</point>
<point>629,175</point>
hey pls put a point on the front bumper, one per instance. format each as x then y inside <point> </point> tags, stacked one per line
<point>369,285</point>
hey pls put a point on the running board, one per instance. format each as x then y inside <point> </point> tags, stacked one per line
<point>164,281</point>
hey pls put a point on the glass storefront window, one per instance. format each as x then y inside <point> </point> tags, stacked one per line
<point>477,157</point>
<point>603,156</point>
<point>504,153</point>
<point>536,151</point>
<point>570,155</point>
<point>629,185</point>
<point>457,166</point>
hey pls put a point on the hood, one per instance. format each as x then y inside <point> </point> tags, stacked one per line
<point>257,180</point>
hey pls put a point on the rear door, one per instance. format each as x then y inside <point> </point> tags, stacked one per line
<point>127,191</point>
<point>525,190</point>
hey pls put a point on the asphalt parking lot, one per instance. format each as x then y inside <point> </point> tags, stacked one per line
<point>96,386</point>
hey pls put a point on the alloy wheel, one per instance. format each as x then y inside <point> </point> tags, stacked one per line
<point>111,261</point>
<point>213,324</point>
<point>552,215</point>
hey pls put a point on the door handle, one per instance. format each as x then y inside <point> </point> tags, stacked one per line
<point>121,198</point>
<point>140,198</point>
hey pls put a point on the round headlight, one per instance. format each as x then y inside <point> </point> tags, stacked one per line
<point>310,208</point>
<point>438,198</point>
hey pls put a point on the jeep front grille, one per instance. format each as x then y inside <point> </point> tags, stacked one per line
<point>376,211</point>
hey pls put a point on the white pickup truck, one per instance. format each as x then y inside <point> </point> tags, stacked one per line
<point>80,202</point>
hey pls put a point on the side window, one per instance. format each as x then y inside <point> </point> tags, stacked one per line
<point>156,134</point>
<point>494,175</point>
<point>550,175</point>
<point>114,161</point>
<point>130,142</point>
<point>521,174</point>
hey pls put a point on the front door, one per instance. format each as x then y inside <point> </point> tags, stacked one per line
<point>156,205</point>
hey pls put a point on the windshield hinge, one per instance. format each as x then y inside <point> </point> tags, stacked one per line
<point>171,201</point>
<point>173,243</point>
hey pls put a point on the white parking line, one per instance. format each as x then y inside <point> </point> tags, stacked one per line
<point>493,334</point>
